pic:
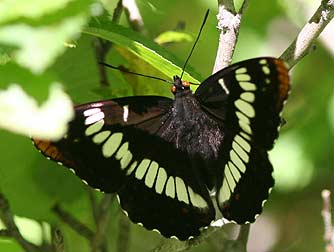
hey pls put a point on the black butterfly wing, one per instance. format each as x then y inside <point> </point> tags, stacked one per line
<point>115,146</point>
<point>247,98</point>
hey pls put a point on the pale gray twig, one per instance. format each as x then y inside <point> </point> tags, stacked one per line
<point>229,24</point>
<point>309,33</point>
<point>327,218</point>
<point>134,17</point>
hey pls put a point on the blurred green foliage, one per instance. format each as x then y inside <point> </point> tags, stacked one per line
<point>34,39</point>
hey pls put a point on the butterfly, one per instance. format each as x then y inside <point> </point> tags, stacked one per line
<point>172,162</point>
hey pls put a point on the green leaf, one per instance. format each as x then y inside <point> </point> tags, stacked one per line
<point>173,36</point>
<point>142,47</point>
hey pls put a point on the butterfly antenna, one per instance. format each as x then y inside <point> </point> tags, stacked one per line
<point>130,72</point>
<point>192,49</point>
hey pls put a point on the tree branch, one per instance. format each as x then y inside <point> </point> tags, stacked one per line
<point>309,33</point>
<point>327,218</point>
<point>12,230</point>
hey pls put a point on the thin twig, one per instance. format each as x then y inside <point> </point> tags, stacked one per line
<point>309,33</point>
<point>102,47</point>
<point>12,230</point>
<point>123,234</point>
<point>75,224</point>
<point>57,240</point>
<point>92,200</point>
<point>99,241</point>
<point>327,217</point>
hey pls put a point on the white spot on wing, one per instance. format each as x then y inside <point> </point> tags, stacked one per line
<point>247,86</point>
<point>241,70</point>
<point>237,161</point>
<point>181,190</point>
<point>94,118</point>
<point>94,128</point>
<point>90,112</point>
<point>263,62</point>
<point>222,84</point>
<point>100,137</point>
<point>248,96</point>
<point>224,192</point>
<point>141,169</point>
<point>266,70</point>
<point>241,152</point>
<point>243,77</point>
<point>245,127</point>
<point>242,117</point>
<point>151,174</point>
<point>245,108</point>
<point>125,113</point>
<point>229,178</point>
<point>161,180</point>
<point>112,144</point>
<point>243,143</point>
<point>196,199</point>
<point>124,155</point>
<point>132,167</point>
<point>244,135</point>
<point>170,187</point>
<point>235,171</point>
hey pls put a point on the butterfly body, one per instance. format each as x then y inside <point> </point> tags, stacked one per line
<point>164,157</point>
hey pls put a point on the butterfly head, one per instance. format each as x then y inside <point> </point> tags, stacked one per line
<point>180,86</point>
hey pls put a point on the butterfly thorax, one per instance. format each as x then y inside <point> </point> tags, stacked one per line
<point>189,127</point>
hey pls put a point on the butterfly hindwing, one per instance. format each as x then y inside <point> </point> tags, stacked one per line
<point>114,146</point>
<point>247,97</point>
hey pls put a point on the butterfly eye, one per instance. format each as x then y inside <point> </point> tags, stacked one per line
<point>173,89</point>
<point>185,84</point>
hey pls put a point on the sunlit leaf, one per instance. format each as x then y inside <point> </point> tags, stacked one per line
<point>11,9</point>
<point>39,46</point>
<point>20,113</point>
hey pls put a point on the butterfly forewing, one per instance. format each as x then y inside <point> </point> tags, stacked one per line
<point>115,147</point>
<point>247,98</point>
